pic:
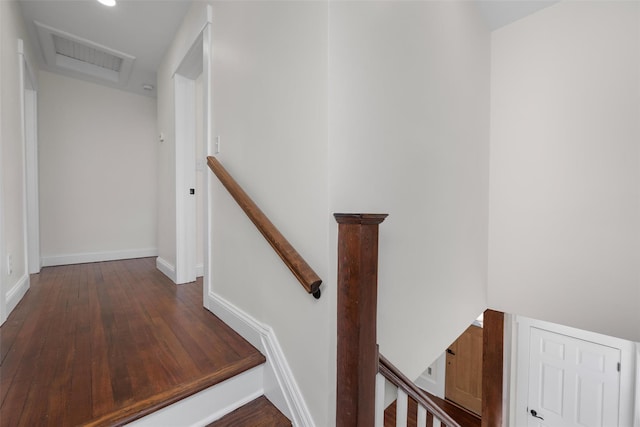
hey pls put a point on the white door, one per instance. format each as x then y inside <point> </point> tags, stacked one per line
<point>572,382</point>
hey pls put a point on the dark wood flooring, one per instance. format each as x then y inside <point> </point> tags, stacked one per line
<point>463,417</point>
<point>106,343</point>
<point>258,413</point>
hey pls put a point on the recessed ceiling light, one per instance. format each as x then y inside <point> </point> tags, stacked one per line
<point>109,3</point>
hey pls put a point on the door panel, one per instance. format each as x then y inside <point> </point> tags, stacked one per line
<point>572,383</point>
<point>463,379</point>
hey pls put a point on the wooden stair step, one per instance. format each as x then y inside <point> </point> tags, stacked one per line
<point>257,413</point>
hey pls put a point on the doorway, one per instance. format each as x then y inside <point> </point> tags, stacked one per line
<point>478,385</point>
<point>568,377</point>
<point>30,141</point>
<point>463,377</point>
<point>192,132</point>
<point>572,381</point>
<point>186,135</point>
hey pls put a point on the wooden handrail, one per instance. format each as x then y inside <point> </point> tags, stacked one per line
<point>308,278</point>
<point>397,378</point>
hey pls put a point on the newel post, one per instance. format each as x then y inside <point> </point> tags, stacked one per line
<point>357,355</point>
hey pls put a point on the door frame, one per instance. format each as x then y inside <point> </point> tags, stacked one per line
<point>30,217</point>
<point>185,178</point>
<point>3,304</point>
<point>191,64</point>
<point>30,140</point>
<point>520,369</point>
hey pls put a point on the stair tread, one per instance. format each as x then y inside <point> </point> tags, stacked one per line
<point>173,395</point>
<point>257,413</point>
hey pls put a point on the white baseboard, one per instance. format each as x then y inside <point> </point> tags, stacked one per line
<point>210,404</point>
<point>15,294</point>
<point>85,257</point>
<point>167,269</point>
<point>280,386</point>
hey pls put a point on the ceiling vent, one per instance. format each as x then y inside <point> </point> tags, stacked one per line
<point>65,51</point>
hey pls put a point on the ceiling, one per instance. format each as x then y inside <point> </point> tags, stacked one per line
<point>144,29</point>
<point>498,13</point>
<point>139,28</point>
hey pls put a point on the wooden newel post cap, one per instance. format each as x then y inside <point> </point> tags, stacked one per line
<point>359,218</point>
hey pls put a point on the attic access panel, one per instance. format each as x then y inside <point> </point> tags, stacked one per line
<point>72,53</point>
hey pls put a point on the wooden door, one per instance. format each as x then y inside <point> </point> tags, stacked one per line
<point>463,380</point>
<point>572,382</point>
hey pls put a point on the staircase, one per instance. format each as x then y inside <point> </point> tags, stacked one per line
<point>222,405</point>
<point>362,376</point>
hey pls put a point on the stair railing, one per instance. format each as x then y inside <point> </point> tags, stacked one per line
<point>428,413</point>
<point>361,372</point>
<point>308,278</point>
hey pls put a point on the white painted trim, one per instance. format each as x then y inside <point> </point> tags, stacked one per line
<point>507,351</point>
<point>208,405</point>
<point>193,61</point>
<point>85,257</point>
<point>29,118</point>
<point>195,50</point>
<point>31,178</point>
<point>381,385</point>
<point>521,369</point>
<point>26,78</point>
<point>207,108</point>
<point>280,385</point>
<point>30,70</point>
<point>3,257</point>
<point>15,294</point>
<point>513,373</point>
<point>185,160</point>
<point>166,268</point>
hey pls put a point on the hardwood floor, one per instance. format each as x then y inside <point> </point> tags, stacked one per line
<point>105,343</point>
<point>258,413</point>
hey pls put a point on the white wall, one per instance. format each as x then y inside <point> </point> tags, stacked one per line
<point>12,193</point>
<point>269,107</point>
<point>270,103</point>
<point>565,167</point>
<point>98,162</point>
<point>409,136</point>
<point>348,106</point>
